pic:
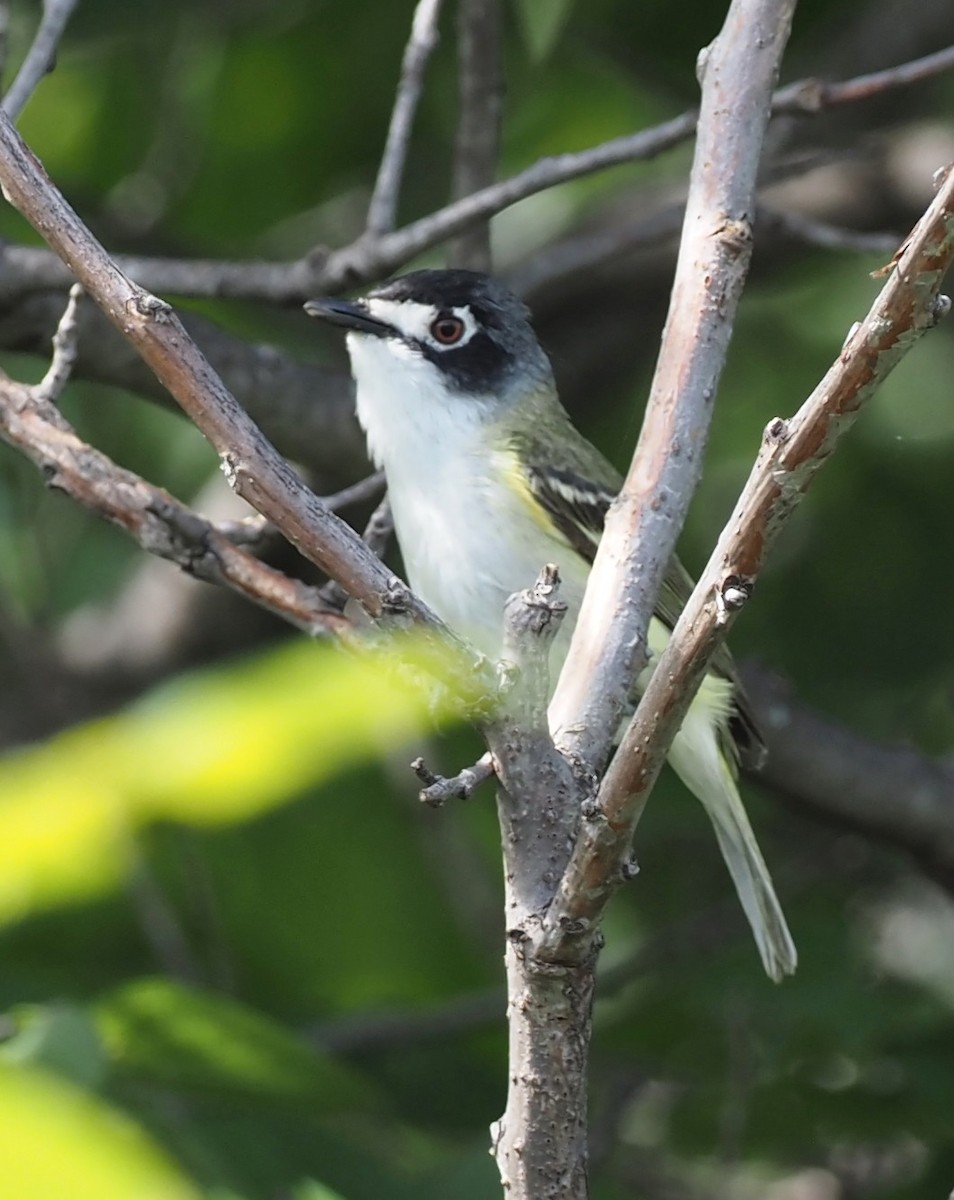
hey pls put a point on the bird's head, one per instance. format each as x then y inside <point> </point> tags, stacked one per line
<point>434,347</point>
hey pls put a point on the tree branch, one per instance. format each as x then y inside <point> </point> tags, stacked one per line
<point>438,789</point>
<point>51,386</point>
<point>540,1141</point>
<point>791,455</point>
<point>356,493</point>
<point>253,467</point>
<point>382,210</point>
<point>893,793</point>
<point>24,270</point>
<point>810,96</point>
<point>799,228</point>
<point>608,650</point>
<point>305,409</point>
<point>40,57</point>
<point>150,515</point>
<point>477,142</point>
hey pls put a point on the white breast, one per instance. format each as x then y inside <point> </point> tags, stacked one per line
<point>467,544</point>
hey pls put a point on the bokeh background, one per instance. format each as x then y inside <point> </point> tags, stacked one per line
<point>237,959</point>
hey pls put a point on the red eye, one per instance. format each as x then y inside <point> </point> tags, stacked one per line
<point>447,329</point>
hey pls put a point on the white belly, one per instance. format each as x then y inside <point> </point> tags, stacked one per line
<point>467,579</point>
<point>477,552</point>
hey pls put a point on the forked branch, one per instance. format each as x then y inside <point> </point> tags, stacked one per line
<point>255,470</point>
<point>792,453</point>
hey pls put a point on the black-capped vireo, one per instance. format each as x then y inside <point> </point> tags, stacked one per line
<point>489,480</point>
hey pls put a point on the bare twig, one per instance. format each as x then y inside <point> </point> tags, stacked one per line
<point>356,493</point>
<point>253,467</point>
<point>256,531</point>
<point>306,410</point>
<point>825,236</point>
<point>379,529</point>
<point>150,515</point>
<point>384,1030</point>
<point>4,35</point>
<point>40,57</point>
<point>370,258</point>
<point>810,96</point>
<point>608,649</point>
<point>382,210</point>
<point>592,248</point>
<point>160,925</point>
<point>583,251</point>
<point>792,453</point>
<point>477,142</point>
<point>61,365</point>
<point>252,532</point>
<point>28,269</point>
<point>437,789</point>
<point>376,536</point>
<point>893,793</point>
<point>697,935</point>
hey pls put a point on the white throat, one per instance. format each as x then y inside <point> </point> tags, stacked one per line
<point>441,483</point>
<point>415,430</point>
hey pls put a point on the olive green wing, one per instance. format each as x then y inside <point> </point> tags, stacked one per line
<point>576,492</point>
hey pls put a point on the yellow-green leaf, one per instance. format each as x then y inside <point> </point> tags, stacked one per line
<point>215,747</point>
<point>57,1141</point>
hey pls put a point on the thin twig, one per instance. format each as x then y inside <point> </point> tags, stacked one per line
<point>370,1032</point>
<point>477,141</point>
<point>28,269</point>
<point>791,455</point>
<point>65,339</point>
<point>370,258</point>
<point>890,792</point>
<point>160,925</point>
<point>438,789</point>
<point>809,96</point>
<point>382,210</point>
<point>376,536</point>
<point>590,248</point>
<point>40,57</point>
<point>150,515</point>
<point>252,532</point>
<point>251,464</point>
<point>379,529</point>
<point>355,493</point>
<point>824,235</point>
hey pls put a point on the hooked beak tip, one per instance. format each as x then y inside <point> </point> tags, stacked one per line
<point>349,314</point>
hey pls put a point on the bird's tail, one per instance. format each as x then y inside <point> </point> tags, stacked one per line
<point>717,791</point>
<point>752,880</point>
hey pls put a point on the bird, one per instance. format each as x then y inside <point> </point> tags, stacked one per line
<point>488,480</point>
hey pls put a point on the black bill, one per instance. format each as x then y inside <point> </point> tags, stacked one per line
<point>350,314</point>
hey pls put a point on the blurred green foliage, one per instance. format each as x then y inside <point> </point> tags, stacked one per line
<point>246,739</point>
<point>238,962</point>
